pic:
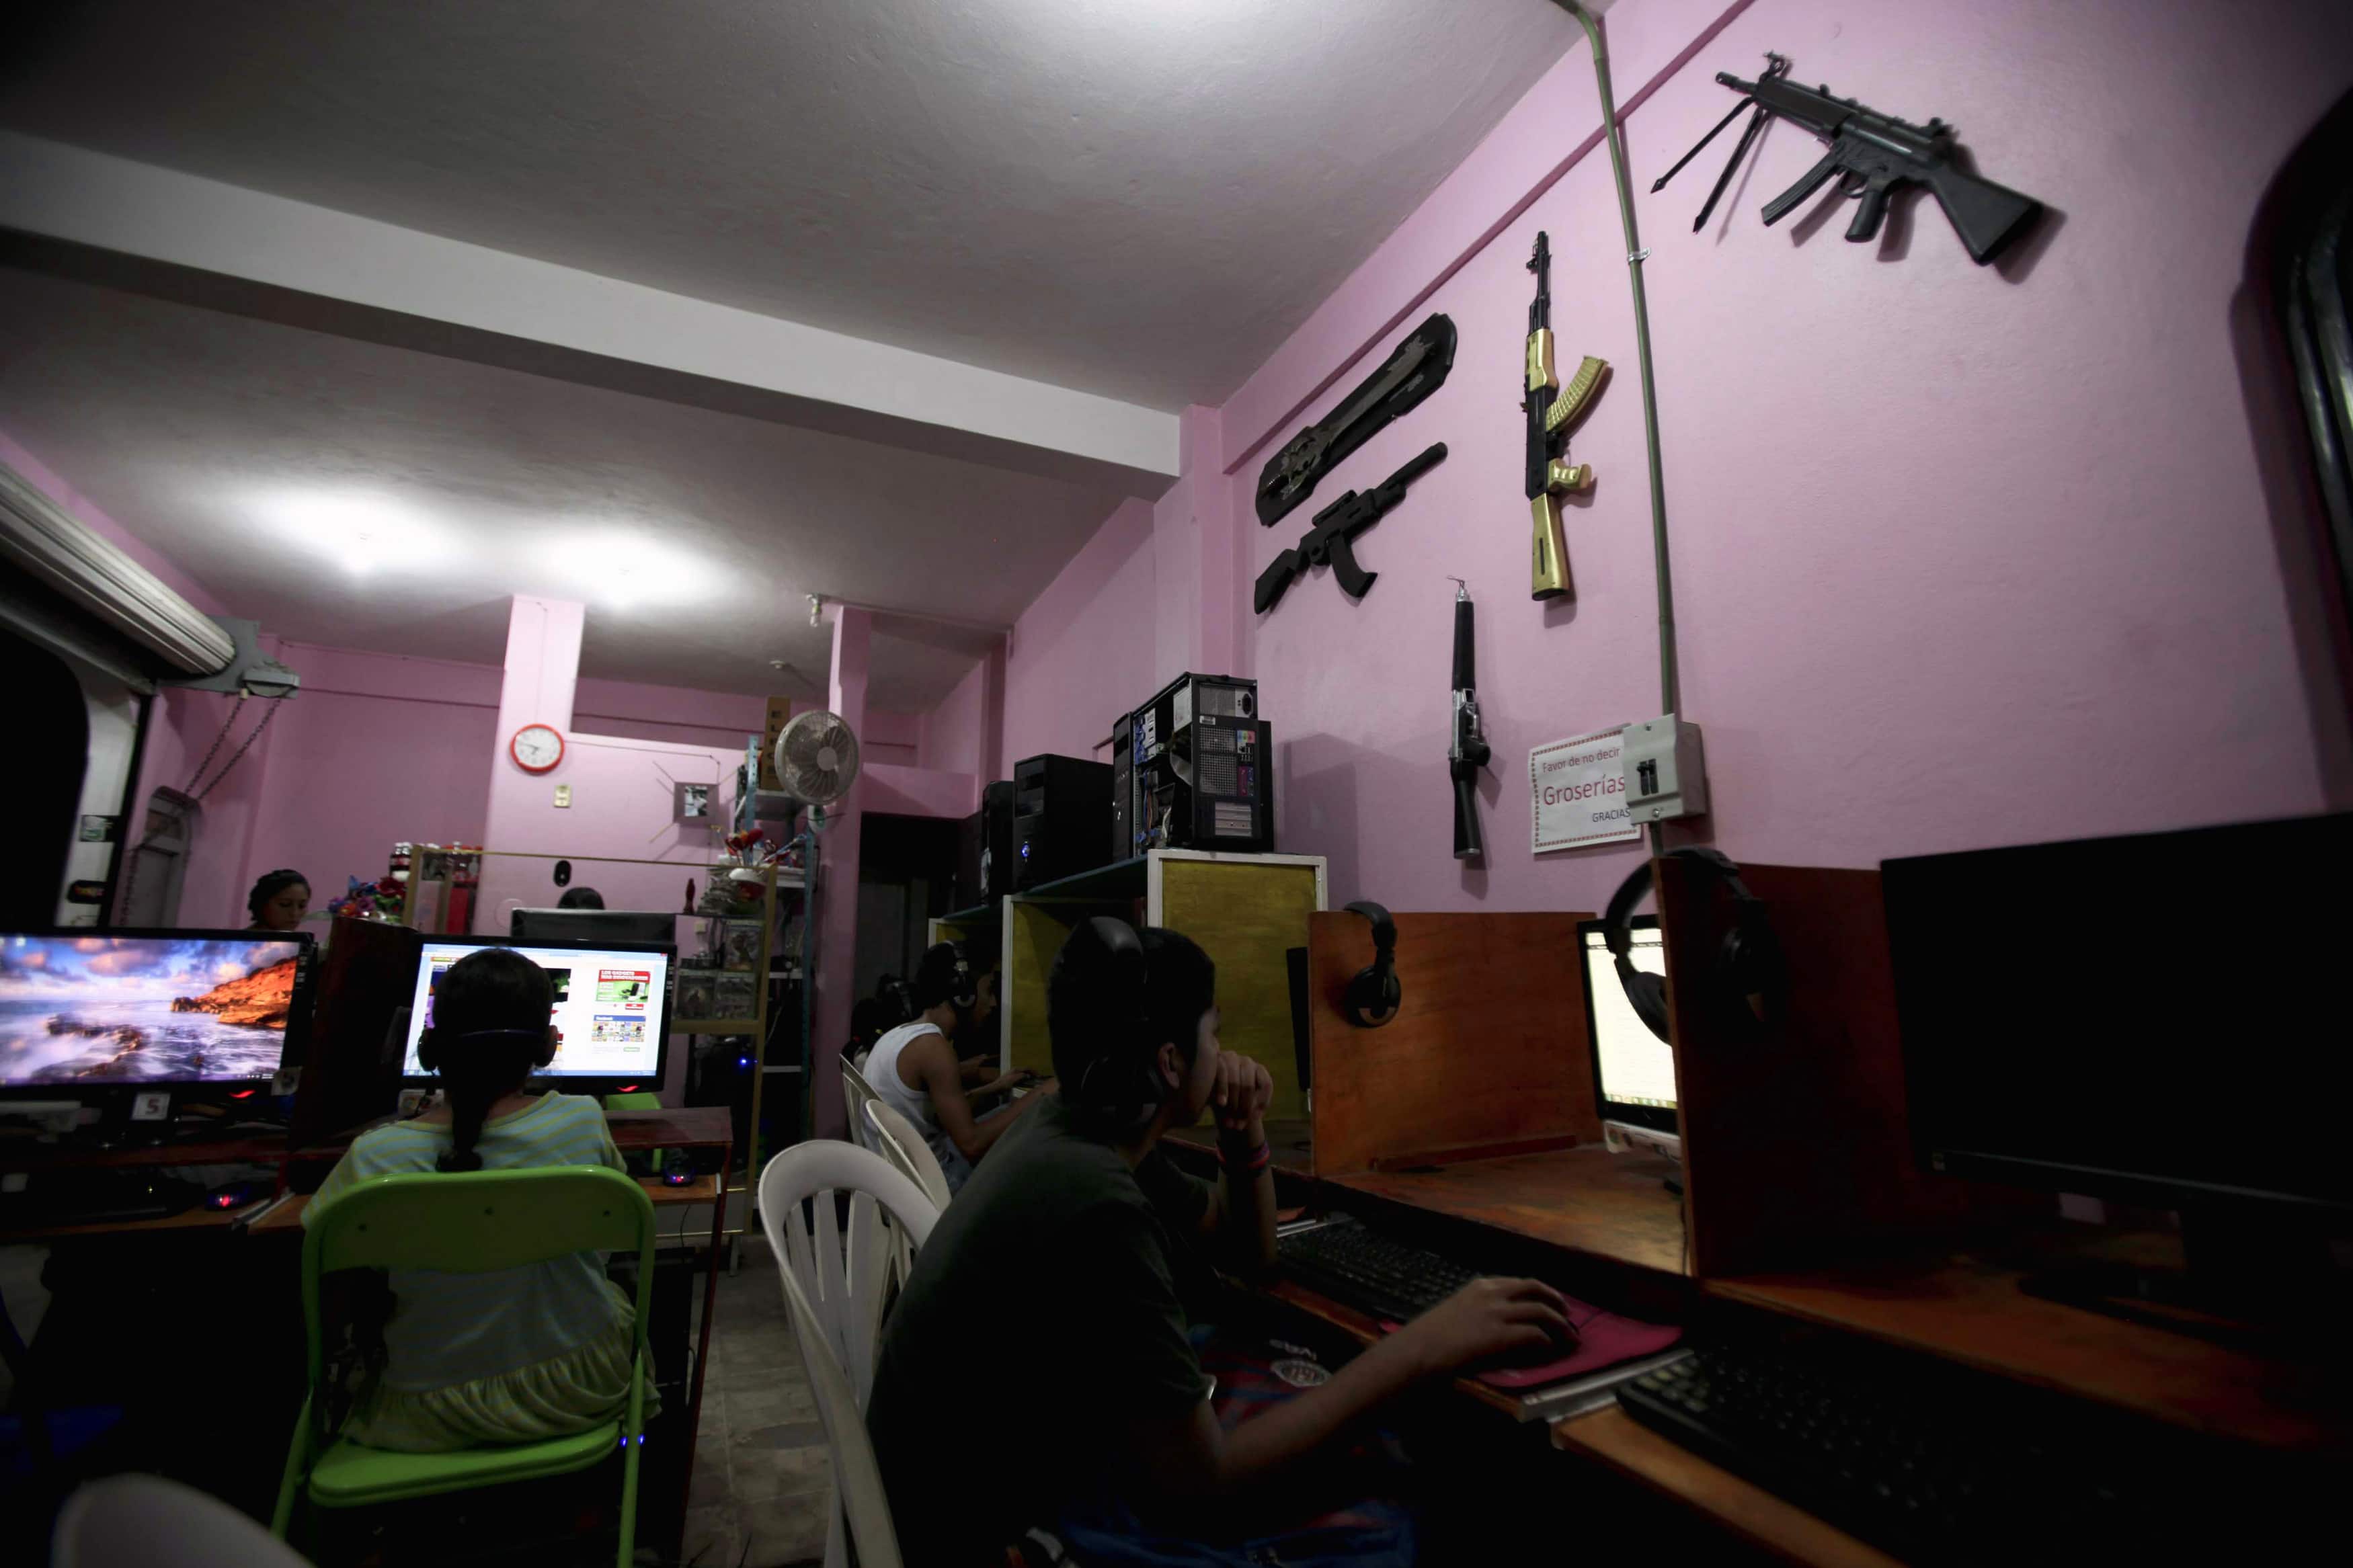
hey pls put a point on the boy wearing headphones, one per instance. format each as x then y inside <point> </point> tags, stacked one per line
<point>915,1070</point>
<point>1071,1240</point>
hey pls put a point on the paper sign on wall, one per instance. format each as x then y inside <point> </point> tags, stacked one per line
<point>1578,792</point>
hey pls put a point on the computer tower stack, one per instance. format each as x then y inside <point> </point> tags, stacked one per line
<point>1122,786</point>
<point>1061,818</point>
<point>1200,769</point>
<point>995,870</point>
<point>969,836</point>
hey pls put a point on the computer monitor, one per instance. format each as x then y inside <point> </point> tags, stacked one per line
<point>1633,1070</point>
<point>92,1008</point>
<point>612,1006</point>
<point>657,928</point>
<point>2159,1019</point>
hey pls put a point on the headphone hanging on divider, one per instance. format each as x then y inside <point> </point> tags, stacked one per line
<point>1748,974</point>
<point>1125,1080</point>
<point>1372,997</point>
<point>967,989</point>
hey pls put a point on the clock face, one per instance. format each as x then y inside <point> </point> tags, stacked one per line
<point>536,748</point>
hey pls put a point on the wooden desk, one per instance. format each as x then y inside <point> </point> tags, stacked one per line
<point>1588,1200</point>
<point>1612,1437</point>
<point>1963,1310</point>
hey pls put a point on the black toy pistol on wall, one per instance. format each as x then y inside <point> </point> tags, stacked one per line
<point>1870,153</point>
<point>1468,752</point>
<point>1551,409</point>
<point>1416,369</point>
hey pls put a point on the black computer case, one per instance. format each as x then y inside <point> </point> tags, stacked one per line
<point>1061,818</point>
<point>996,867</point>
<point>1201,771</point>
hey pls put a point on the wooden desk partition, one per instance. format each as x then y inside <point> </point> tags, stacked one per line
<point>1796,1145</point>
<point>1487,1056</point>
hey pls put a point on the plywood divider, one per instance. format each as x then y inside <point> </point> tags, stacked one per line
<point>1487,1056</point>
<point>1245,916</point>
<point>1796,1143</point>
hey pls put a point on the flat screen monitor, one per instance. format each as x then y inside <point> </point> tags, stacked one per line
<point>2158,1019</point>
<point>94,1008</point>
<point>612,1006</point>
<point>1633,1070</point>
<point>655,928</point>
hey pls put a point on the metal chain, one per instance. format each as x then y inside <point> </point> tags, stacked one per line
<point>240,752</point>
<point>227,725</point>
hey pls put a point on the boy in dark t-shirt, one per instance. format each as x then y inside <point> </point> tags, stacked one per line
<point>1066,1245</point>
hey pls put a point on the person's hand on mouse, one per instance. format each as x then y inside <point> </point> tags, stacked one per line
<point>1489,1318</point>
<point>1240,1095</point>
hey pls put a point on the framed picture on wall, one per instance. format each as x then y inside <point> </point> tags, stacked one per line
<point>693,801</point>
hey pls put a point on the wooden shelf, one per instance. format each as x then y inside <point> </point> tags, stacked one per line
<point>1586,1200</point>
<point>1787,1530</point>
<point>1118,882</point>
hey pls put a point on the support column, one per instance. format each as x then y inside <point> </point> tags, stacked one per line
<point>836,957</point>
<point>542,671</point>
<point>1201,437</point>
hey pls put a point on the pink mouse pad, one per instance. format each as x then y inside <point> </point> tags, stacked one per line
<point>1603,1339</point>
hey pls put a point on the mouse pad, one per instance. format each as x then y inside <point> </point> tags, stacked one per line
<point>1603,1339</point>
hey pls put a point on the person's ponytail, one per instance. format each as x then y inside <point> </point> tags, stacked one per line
<point>484,1069</point>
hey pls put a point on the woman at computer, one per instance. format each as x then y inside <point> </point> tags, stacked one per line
<point>279,901</point>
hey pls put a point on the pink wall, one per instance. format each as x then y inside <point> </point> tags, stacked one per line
<point>1963,556</point>
<point>1084,648</point>
<point>721,719</point>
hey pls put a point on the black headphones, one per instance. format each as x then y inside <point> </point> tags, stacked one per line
<point>1125,1080</point>
<point>967,989</point>
<point>1372,997</point>
<point>429,1049</point>
<point>1748,974</point>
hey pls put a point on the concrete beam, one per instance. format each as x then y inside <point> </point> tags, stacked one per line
<point>133,224</point>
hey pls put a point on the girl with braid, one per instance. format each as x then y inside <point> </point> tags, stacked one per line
<point>514,1355</point>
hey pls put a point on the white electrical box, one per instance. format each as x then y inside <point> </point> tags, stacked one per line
<point>1665,775</point>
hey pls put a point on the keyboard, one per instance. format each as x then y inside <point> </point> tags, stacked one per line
<point>1375,1274</point>
<point>1927,1472</point>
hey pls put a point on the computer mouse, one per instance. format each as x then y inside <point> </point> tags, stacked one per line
<point>678,1170</point>
<point>1558,1344</point>
<point>237,1194</point>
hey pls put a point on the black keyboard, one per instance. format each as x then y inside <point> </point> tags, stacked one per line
<point>1924,1471</point>
<point>1375,1274</point>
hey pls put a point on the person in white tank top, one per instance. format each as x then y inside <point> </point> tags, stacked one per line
<point>916,1071</point>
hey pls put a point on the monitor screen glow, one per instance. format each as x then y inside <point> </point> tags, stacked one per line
<point>609,1006</point>
<point>1637,1066</point>
<point>96,1009</point>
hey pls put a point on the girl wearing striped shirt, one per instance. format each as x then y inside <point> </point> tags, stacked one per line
<point>514,1355</point>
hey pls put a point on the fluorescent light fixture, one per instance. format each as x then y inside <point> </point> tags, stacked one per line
<point>623,569</point>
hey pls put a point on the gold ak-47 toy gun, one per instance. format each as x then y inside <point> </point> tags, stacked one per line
<point>1549,417</point>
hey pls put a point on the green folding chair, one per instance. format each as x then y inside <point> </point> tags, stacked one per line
<point>468,1224</point>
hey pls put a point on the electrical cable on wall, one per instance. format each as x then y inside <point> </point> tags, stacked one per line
<point>1668,684</point>
<point>196,796</point>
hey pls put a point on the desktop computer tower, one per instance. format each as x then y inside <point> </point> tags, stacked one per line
<point>1123,787</point>
<point>995,873</point>
<point>966,890</point>
<point>1061,818</point>
<point>1201,768</point>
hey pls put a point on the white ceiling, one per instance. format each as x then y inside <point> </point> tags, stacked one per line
<point>373,497</point>
<point>1139,198</point>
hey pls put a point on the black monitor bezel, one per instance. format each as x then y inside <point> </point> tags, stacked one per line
<point>299,1012</point>
<point>1657,1118</point>
<point>568,1082</point>
<point>1936,1150</point>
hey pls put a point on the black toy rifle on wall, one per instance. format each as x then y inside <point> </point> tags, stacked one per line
<point>1549,417</point>
<point>1332,529</point>
<point>1417,368</point>
<point>1870,153</point>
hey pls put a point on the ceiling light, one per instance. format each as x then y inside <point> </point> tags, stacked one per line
<point>361,531</point>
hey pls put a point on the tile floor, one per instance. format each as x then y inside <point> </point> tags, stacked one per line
<point>762,1486</point>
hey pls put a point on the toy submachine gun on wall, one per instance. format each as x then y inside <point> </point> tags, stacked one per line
<point>1549,417</point>
<point>1870,153</point>
<point>1333,531</point>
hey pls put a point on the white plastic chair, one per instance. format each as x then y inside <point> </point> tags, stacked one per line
<point>835,1282</point>
<point>856,1094</point>
<point>146,1521</point>
<point>896,1140</point>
